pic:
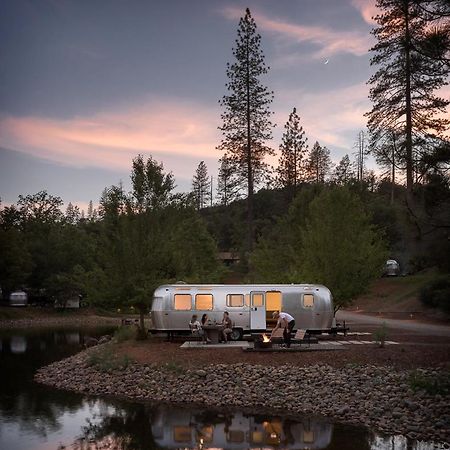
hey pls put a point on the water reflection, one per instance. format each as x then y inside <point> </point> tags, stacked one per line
<point>27,410</point>
<point>34,417</point>
<point>195,429</point>
<point>18,344</point>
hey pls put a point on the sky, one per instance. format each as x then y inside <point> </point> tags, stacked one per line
<point>87,85</point>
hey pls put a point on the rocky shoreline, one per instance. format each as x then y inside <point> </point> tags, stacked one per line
<point>379,397</point>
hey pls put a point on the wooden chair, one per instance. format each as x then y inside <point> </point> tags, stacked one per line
<point>301,336</point>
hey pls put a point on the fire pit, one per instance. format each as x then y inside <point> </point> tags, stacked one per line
<point>262,341</point>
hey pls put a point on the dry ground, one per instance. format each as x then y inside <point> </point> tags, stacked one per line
<point>413,351</point>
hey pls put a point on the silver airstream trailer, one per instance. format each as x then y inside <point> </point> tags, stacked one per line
<point>250,306</point>
<point>18,298</point>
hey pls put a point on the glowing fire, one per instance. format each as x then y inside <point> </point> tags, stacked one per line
<point>265,338</point>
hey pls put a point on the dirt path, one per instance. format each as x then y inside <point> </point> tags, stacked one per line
<point>427,329</point>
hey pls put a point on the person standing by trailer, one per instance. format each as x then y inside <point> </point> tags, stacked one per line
<point>287,323</point>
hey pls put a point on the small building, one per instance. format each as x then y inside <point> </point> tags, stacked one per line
<point>228,258</point>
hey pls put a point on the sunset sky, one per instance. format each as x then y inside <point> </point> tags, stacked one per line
<point>86,85</point>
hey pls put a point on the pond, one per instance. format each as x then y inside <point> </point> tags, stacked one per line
<point>35,417</point>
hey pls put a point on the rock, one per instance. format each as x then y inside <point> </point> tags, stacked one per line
<point>90,342</point>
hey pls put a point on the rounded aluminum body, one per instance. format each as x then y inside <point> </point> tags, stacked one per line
<point>310,305</point>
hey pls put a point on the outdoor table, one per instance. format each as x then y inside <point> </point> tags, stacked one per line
<point>213,332</point>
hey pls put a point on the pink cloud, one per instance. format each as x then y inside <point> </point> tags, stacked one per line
<point>111,139</point>
<point>367,8</point>
<point>329,41</point>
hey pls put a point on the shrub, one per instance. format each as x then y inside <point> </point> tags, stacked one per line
<point>175,367</point>
<point>380,335</point>
<point>431,384</point>
<point>105,360</point>
<point>125,333</point>
<point>436,294</point>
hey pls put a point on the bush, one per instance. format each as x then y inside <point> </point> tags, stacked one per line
<point>125,333</point>
<point>106,361</point>
<point>431,384</point>
<point>380,335</point>
<point>436,294</point>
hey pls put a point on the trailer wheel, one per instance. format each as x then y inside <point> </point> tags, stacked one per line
<point>236,334</point>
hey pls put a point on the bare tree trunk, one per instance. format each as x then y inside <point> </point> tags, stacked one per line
<point>409,149</point>
<point>249,164</point>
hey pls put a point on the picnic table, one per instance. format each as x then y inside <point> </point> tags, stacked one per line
<point>213,332</point>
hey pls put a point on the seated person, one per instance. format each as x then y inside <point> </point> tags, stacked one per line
<point>227,326</point>
<point>205,321</point>
<point>196,328</point>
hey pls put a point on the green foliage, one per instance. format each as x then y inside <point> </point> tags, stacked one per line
<point>381,334</point>
<point>327,238</point>
<point>105,360</point>
<point>201,186</point>
<point>244,134</point>
<point>125,333</point>
<point>438,384</point>
<point>436,294</point>
<point>340,247</point>
<point>400,120</point>
<point>291,169</point>
<point>174,367</point>
<point>278,253</point>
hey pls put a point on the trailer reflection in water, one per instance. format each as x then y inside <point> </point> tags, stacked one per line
<point>194,429</point>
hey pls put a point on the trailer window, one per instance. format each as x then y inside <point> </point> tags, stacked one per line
<point>204,301</point>
<point>273,301</point>
<point>182,301</point>
<point>308,300</point>
<point>257,300</point>
<point>235,300</point>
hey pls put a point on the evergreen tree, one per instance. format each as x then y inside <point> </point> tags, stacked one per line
<point>318,164</point>
<point>246,124</point>
<point>201,186</point>
<point>151,186</point>
<point>403,88</point>
<point>344,255</point>
<point>291,165</point>
<point>72,214</point>
<point>343,173</point>
<point>228,189</point>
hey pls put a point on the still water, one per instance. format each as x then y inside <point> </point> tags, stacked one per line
<point>34,417</point>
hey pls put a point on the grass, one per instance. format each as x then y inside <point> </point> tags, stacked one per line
<point>433,385</point>
<point>105,360</point>
<point>395,294</point>
<point>125,333</point>
<point>174,367</point>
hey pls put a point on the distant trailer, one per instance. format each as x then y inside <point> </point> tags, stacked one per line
<point>250,306</point>
<point>18,298</point>
<point>392,268</point>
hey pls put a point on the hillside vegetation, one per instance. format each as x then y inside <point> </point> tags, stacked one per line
<point>399,296</point>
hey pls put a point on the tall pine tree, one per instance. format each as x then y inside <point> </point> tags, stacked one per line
<point>201,186</point>
<point>228,189</point>
<point>291,165</point>
<point>403,88</point>
<point>318,164</point>
<point>246,124</point>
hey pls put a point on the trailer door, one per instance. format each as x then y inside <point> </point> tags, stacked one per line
<point>257,311</point>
